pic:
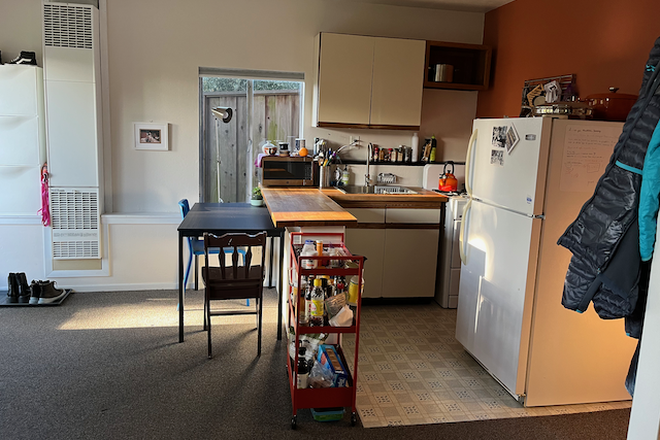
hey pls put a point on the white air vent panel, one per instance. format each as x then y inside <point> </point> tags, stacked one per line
<point>68,26</point>
<point>75,223</point>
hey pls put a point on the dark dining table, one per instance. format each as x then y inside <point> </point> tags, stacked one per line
<point>223,218</point>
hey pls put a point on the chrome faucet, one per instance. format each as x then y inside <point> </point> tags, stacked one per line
<point>367,176</point>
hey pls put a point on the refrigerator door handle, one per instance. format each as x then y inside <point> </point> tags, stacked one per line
<point>468,188</point>
<point>461,236</point>
<point>468,165</point>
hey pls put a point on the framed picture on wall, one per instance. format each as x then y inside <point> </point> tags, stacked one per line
<point>151,136</point>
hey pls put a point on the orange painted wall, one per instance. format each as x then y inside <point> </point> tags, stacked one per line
<point>604,42</point>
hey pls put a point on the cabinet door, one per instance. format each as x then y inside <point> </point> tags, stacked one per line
<point>21,88</point>
<point>19,141</point>
<point>398,82</point>
<point>21,193</point>
<point>344,83</point>
<point>410,262</point>
<point>369,243</point>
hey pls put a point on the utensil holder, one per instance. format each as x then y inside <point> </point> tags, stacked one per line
<point>325,174</point>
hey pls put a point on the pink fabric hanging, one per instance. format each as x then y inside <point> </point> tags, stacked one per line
<point>45,208</point>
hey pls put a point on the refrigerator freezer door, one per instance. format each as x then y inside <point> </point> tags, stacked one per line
<point>496,290</point>
<point>574,358</point>
<point>509,169</point>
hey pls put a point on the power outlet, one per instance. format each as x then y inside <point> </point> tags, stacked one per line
<point>355,139</point>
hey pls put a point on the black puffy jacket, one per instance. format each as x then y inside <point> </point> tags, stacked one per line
<point>605,266</point>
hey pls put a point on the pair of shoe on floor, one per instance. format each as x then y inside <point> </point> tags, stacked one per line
<point>38,292</point>
<point>25,57</point>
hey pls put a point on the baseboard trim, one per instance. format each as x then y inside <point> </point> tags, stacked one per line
<point>119,287</point>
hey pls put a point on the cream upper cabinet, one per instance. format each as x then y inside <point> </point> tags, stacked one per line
<point>344,80</point>
<point>398,82</point>
<point>370,82</point>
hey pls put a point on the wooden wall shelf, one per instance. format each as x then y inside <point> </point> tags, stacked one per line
<point>471,65</point>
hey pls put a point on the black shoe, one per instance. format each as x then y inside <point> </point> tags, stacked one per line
<point>49,293</point>
<point>12,285</point>
<point>23,288</point>
<point>35,291</point>
<point>25,58</point>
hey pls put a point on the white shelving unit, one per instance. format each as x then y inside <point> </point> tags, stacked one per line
<point>22,138</point>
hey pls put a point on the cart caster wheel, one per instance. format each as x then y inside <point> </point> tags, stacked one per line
<point>294,422</point>
<point>353,419</point>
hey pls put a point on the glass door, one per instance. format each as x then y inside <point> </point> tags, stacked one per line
<point>261,110</point>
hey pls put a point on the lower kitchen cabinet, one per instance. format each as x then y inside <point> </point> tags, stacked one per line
<point>410,263</point>
<point>401,246</point>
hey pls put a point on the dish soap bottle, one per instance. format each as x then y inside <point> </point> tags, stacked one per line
<point>345,176</point>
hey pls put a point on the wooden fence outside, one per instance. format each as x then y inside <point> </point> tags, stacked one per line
<point>275,116</point>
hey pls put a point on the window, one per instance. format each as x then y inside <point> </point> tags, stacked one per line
<point>262,109</point>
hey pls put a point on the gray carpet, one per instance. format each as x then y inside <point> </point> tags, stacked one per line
<point>109,366</point>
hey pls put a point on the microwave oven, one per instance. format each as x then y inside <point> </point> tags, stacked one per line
<point>287,171</point>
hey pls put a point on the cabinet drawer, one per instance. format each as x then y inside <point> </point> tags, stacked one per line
<point>413,216</point>
<point>368,215</point>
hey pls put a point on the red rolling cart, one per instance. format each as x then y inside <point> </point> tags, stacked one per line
<point>350,265</point>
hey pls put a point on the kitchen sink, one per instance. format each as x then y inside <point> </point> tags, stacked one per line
<point>378,189</point>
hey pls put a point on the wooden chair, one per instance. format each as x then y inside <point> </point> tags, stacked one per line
<point>224,282</point>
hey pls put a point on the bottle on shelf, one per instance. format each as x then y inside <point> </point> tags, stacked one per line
<point>434,144</point>
<point>415,148</point>
<point>317,304</point>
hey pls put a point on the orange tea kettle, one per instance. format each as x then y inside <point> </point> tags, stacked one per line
<point>447,181</point>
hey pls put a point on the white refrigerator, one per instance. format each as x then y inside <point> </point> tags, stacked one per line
<point>527,179</point>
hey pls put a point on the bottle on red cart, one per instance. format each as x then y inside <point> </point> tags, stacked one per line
<point>302,303</point>
<point>317,304</point>
<point>308,300</point>
<point>308,250</point>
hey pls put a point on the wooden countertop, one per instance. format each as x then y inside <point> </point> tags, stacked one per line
<point>295,206</point>
<point>423,199</point>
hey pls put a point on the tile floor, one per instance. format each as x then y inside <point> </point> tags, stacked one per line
<point>413,371</point>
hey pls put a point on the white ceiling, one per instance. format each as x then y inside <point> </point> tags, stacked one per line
<point>457,5</point>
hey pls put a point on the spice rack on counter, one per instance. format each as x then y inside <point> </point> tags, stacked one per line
<point>349,265</point>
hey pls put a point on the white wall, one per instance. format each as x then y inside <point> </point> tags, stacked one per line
<point>155,48</point>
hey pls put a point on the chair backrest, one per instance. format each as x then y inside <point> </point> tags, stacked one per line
<point>235,281</point>
<point>184,207</point>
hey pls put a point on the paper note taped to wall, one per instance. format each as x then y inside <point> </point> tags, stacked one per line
<point>587,150</point>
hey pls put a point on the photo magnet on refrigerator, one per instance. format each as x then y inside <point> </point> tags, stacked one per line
<point>512,139</point>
